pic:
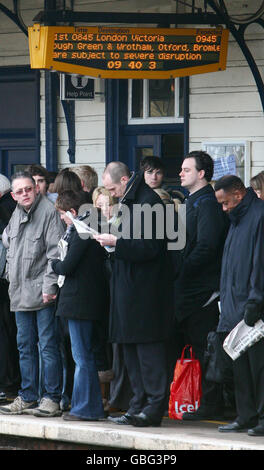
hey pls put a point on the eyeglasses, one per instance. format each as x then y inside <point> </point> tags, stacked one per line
<point>27,190</point>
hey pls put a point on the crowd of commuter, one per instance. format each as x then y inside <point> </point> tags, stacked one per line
<point>97,322</point>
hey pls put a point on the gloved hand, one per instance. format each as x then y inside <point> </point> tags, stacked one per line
<point>252,313</point>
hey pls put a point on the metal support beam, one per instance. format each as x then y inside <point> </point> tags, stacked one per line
<point>51,120</point>
<point>186,132</point>
<point>69,113</point>
<point>14,16</point>
<point>51,86</point>
<point>238,34</point>
<point>112,124</point>
<point>129,18</point>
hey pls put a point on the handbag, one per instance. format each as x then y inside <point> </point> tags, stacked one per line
<point>216,362</point>
<point>186,388</point>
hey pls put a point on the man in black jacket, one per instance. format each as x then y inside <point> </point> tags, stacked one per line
<point>141,295</point>
<point>242,297</point>
<point>197,285</point>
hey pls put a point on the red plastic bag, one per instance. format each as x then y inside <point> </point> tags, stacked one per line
<point>186,389</point>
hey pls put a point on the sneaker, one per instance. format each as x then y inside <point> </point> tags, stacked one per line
<point>47,408</point>
<point>17,407</point>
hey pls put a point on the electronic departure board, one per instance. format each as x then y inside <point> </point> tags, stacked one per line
<point>117,52</point>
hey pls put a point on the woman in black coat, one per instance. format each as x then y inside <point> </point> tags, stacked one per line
<point>83,300</point>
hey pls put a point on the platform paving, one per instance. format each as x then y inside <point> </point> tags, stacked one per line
<point>172,435</point>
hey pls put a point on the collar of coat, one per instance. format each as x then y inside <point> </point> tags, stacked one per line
<point>201,194</point>
<point>27,214</point>
<point>134,182</point>
<point>241,209</point>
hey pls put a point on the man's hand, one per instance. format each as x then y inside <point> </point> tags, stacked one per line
<point>106,239</point>
<point>48,297</point>
<point>252,314</point>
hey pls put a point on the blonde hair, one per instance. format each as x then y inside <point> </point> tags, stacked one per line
<point>102,190</point>
<point>257,182</point>
<point>87,175</point>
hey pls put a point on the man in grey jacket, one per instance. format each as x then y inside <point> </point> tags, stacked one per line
<point>33,234</point>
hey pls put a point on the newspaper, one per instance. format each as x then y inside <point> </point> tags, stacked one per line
<point>63,248</point>
<point>82,227</point>
<point>242,337</point>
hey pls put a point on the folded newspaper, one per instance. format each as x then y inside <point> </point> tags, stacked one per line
<point>63,248</point>
<point>83,228</point>
<point>242,337</point>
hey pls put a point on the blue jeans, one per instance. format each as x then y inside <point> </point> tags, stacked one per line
<point>86,396</point>
<point>38,328</point>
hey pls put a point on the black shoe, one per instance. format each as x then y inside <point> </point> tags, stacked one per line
<point>124,419</point>
<point>233,427</point>
<point>203,413</point>
<point>143,420</point>
<point>257,430</point>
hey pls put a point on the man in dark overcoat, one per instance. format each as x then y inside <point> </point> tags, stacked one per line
<point>242,297</point>
<point>141,294</point>
<point>197,284</point>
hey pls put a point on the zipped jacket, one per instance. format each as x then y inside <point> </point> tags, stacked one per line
<point>33,238</point>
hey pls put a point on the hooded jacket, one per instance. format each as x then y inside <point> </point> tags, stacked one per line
<point>33,238</point>
<point>242,276</point>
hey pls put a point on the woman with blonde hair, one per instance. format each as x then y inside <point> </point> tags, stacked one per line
<point>103,200</point>
<point>115,385</point>
<point>257,183</point>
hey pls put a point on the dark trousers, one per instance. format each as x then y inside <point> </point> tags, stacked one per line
<point>195,329</point>
<point>147,370</point>
<point>9,359</point>
<point>68,363</point>
<point>249,384</point>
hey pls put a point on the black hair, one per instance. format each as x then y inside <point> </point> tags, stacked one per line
<point>203,161</point>
<point>229,183</point>
<point>152,163</point>
<point>38,170</point>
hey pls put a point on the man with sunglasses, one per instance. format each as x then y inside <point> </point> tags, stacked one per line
<point>33,234</point>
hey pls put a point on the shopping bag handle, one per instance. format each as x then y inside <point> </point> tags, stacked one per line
<point>191,352</point>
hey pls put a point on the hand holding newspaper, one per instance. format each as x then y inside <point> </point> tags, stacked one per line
<point>63,248</point>
<point>83,228</point>
<point>242,337</point>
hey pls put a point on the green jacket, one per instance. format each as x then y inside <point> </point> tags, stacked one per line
<point>32,243</point>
